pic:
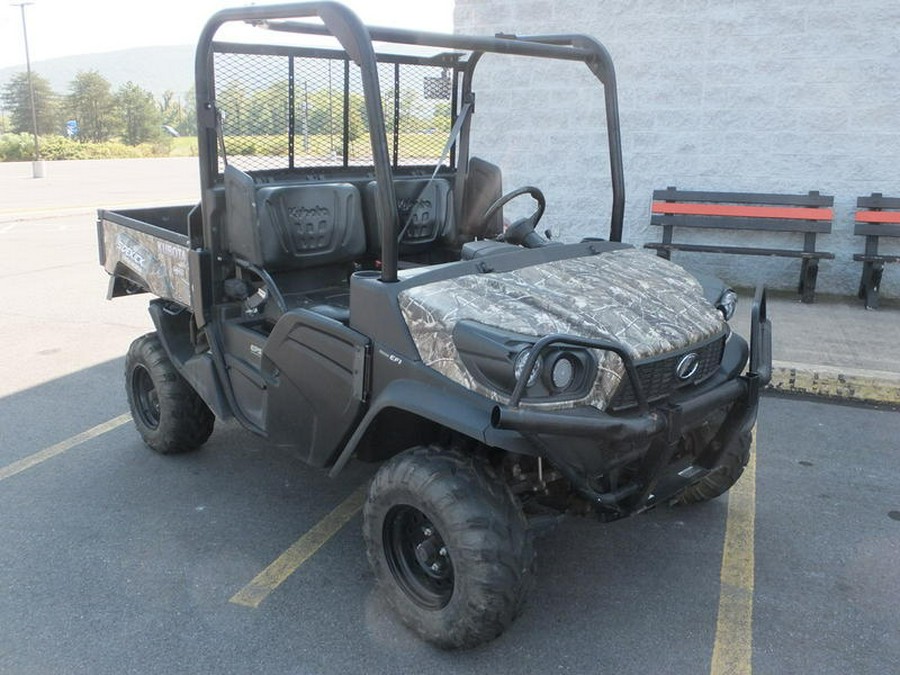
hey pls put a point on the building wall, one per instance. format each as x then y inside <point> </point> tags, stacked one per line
<point>744,95</point>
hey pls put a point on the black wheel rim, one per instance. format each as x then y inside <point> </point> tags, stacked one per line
<point>145,397</point>
<point>417,557</point>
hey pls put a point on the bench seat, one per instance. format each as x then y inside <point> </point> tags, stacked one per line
<point>810,215</point>
<point>876,216</point>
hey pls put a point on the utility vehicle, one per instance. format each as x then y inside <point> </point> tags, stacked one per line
<point>350,287</point>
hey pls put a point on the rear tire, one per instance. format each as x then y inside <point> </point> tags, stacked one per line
<point>449,546</point>
<point>169,415</point>
<point>720,480</point>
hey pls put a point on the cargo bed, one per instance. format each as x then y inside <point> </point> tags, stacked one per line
<point>146,250</point>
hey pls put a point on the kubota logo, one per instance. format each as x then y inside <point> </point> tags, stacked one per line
<point>688,366</point>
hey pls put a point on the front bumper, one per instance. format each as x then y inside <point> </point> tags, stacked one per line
<point>644,452</point>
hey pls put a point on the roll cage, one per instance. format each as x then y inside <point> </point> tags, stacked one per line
<point>356,40</point>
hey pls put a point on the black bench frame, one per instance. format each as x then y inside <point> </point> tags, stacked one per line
<point>810,214</point>
<point>876,216</point>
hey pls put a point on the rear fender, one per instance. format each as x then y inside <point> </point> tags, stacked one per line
<point>172,325</point>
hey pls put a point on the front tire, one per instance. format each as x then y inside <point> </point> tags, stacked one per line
<point>169,415</point>
<point>448,545</point>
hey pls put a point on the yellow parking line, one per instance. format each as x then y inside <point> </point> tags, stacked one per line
<point>61,447</point>
<point>287,563</point>
<point>733,649</point>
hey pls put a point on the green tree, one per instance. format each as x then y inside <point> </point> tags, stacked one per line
<point>141,119</point>
<point>233,103</point>
<point>17,100</point>
<point>269,110</point>
<point>178,112</point>
<point>411,107</point>
<point>325,112</point>
<point>358,117</point>
<point>440,118</point>
<point>187,126</point>
<point>171,109</point>
<point>92,104</point>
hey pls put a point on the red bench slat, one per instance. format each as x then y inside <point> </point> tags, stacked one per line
<point>731,210</point>
<point>878,216</point>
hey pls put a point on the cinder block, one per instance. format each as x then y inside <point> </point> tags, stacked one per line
<point>764,96</point>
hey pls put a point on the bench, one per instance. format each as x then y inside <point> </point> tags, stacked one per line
<point>876,216</point>
<point>810,214</point>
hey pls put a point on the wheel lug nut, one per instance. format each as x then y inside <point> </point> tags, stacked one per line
<point>427,531</point>
<point>435,567</point>
<point>443,551</point>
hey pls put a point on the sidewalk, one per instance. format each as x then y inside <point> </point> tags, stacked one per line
<point>833,348</point>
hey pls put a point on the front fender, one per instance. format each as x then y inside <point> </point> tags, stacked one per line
<point>459,410</point>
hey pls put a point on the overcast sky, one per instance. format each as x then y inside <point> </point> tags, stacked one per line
<point>65,27</point>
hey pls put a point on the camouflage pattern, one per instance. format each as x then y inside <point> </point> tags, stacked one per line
<point>648,304</point>
<point>162,264</point>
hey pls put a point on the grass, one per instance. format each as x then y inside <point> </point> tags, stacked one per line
<point>422,146</point>
<point>184,146</point>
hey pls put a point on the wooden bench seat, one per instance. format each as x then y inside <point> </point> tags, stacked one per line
<point>810,215</point>
<point>876,217</point>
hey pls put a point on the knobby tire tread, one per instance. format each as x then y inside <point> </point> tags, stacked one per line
<point>186,422</point>
<point>484,529</point>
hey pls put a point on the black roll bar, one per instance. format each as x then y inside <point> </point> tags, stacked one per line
<point>601,65</point>
<point>570,47</point>
<point>344,25</point>
<point>356,39</point>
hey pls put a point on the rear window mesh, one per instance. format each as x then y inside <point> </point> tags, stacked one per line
<point>291,111</point>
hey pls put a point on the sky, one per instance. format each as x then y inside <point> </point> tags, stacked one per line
<point>58,28</point>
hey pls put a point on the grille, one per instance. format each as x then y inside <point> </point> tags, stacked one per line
<point>286,111</point>
<point>658,378</point>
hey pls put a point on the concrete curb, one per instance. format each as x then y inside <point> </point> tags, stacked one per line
<point>865,386</point>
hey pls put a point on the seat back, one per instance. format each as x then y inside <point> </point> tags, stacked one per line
<point>292,226</point>
<point>484,186</point>
<point>425,205</point>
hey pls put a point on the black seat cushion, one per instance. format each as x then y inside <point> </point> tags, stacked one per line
<point>291,226</point>
<point>425,205</point>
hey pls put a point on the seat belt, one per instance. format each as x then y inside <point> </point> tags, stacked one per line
<point>454,133</point>
<point>220,136</point>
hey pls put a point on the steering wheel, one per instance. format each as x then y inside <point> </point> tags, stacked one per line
<point>530,222</point>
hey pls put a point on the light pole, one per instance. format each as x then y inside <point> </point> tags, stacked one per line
<point>37,166</point>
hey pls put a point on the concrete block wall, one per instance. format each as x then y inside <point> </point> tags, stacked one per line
<point>744,95</point>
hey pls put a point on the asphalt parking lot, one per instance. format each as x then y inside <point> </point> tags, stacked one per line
<point>114,559</point>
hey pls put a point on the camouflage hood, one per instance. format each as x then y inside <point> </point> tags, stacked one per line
<point>648,304</point>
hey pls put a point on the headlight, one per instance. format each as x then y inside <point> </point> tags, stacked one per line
<point>497,358</point>
<point>562,375</point>
<point>727,303</point>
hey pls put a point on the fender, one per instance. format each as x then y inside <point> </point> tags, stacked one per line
<point>468,414</point>
<point>173,329</point>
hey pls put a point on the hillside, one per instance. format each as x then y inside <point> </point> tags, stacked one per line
<point>154,68</point>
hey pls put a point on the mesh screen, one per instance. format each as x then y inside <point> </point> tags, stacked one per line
<point>284,112</point>
<point>252,96</point>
